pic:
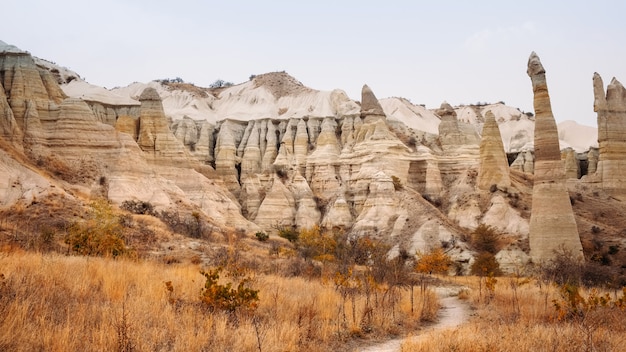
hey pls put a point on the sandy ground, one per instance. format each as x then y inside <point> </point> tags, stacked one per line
<point>453,312</point>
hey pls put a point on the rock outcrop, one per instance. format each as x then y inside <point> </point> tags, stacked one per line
<point>611,110</point>
<point>494,167</point>
<point>371,109</point>
<point>155,137</point>
<point>525,162</point>
<point>572,166</point>
<point>552,223</point>
<point>452,133</point>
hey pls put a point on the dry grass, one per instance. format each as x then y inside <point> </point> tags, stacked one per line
<point>53,302</point>
<point>519,315</point>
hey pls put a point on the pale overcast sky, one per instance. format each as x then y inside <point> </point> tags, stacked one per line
<point>427,51</point>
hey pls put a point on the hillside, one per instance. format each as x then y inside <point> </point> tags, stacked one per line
<point>271,154</point>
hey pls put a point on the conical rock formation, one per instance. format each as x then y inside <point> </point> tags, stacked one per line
<point>552,223</point>
<point>494,167</point>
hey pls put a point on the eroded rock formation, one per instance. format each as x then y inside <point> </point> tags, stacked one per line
<point>552,223</point>
<point>611,110</point>
<point>494,167</point>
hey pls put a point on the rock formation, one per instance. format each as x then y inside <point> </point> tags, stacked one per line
<point>494,167</point>
<point>370,107</point>
<point>611,110</point>
<point>525,162</point>
<point>452,133</point>
<point>155,137</point>
<point>449,130</point>
<point>552,224</point>
<point>572,166</point>
<point>592,160</point>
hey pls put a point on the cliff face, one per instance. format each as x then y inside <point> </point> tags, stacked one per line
<point>552,223</point>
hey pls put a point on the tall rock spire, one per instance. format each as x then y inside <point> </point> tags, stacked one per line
<point>494,167</point>
<point>552,223</point>
<point>611,110</point>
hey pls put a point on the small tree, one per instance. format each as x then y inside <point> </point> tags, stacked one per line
<point>485,239</point>
<point>485,264</point>
<point>101,234</point>
<point>435,262</point>
<point>224,297</point>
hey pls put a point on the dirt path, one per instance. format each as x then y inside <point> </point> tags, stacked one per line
<point>453,312</point>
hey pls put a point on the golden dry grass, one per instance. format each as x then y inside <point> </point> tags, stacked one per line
<point>520,316</point>
<point>53,302</point>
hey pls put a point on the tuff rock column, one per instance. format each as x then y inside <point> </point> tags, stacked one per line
<point>552,223</point>
<point>611,110</point>
<point>494,167</point>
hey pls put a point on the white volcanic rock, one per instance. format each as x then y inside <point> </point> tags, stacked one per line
<point>512,260</point>
<point>19,183</point>
<point>338,215</point>
<point>186,131</point>
<point>416,117</point>
<point>251,197</point>
<point>576,136</point>
<point>307,212</point>
<point>380,209</point>
<point>429,236</point>
<point>278,208</point>
<point>251,159</point>
<point>525,162</point>
<point>226,159</point>
<point>467,215</point>
<point>271,146</point>
<point>89,92</point>
<point>503,217</point>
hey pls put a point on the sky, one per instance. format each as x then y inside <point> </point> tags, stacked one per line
<point>462,52</point>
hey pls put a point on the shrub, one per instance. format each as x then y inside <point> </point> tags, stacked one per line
<point>223,297</point>
<point>313,243</point>
<point>485,264</point>
<point>188,225</point>
<point>100,235</point>
<point>288,233</point>
<point>138,207</point>
<point>262,236</point>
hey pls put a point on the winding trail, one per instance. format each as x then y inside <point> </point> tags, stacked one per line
<point>453,312</point>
